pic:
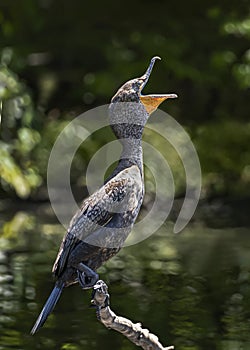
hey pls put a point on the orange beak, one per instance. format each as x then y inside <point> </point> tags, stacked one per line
<point>151,102</point>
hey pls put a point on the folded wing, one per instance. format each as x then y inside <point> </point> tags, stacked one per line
<point>121,194</point>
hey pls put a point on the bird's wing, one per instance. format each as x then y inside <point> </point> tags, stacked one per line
<point>122,192</point>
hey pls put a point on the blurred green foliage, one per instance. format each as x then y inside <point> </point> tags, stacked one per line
<point>18,137</point>
<point>58,60</point>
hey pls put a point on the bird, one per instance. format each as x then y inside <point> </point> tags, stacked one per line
<point>99,228</point>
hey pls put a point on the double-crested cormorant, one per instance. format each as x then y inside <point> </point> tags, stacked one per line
<point>99,228</point>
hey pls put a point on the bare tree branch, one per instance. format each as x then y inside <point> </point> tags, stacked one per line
<point>133,331</point>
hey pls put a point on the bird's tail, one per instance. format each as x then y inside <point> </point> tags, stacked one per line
<point>48,307</point>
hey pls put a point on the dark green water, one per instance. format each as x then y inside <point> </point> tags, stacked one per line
<point>191,289</point>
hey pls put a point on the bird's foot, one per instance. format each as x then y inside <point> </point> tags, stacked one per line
<point>86,276</point>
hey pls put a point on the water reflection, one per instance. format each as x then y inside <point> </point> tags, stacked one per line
<point>192,289</point>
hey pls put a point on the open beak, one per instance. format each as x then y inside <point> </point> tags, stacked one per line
<point>151,102</point>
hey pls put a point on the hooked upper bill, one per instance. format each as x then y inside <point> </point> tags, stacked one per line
<point>152,101</point>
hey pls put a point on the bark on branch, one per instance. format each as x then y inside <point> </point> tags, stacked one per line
<point>133,331</point>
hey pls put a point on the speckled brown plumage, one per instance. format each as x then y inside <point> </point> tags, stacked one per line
<point>101,225</point>
<point>98,230</point>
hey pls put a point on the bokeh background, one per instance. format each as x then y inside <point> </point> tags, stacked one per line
<point>59,59</point>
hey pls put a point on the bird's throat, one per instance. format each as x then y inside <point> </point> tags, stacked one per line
<point>132,151</point>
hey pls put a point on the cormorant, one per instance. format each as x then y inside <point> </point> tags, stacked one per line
<point>99,228</point>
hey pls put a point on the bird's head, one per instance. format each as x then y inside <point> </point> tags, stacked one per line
<point>131,91</point>
<point>129,109</point>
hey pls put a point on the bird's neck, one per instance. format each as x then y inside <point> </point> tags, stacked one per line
<point>132,151</point>
<point>131,155</point>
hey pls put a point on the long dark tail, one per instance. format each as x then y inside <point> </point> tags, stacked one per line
<point>48,307</point>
